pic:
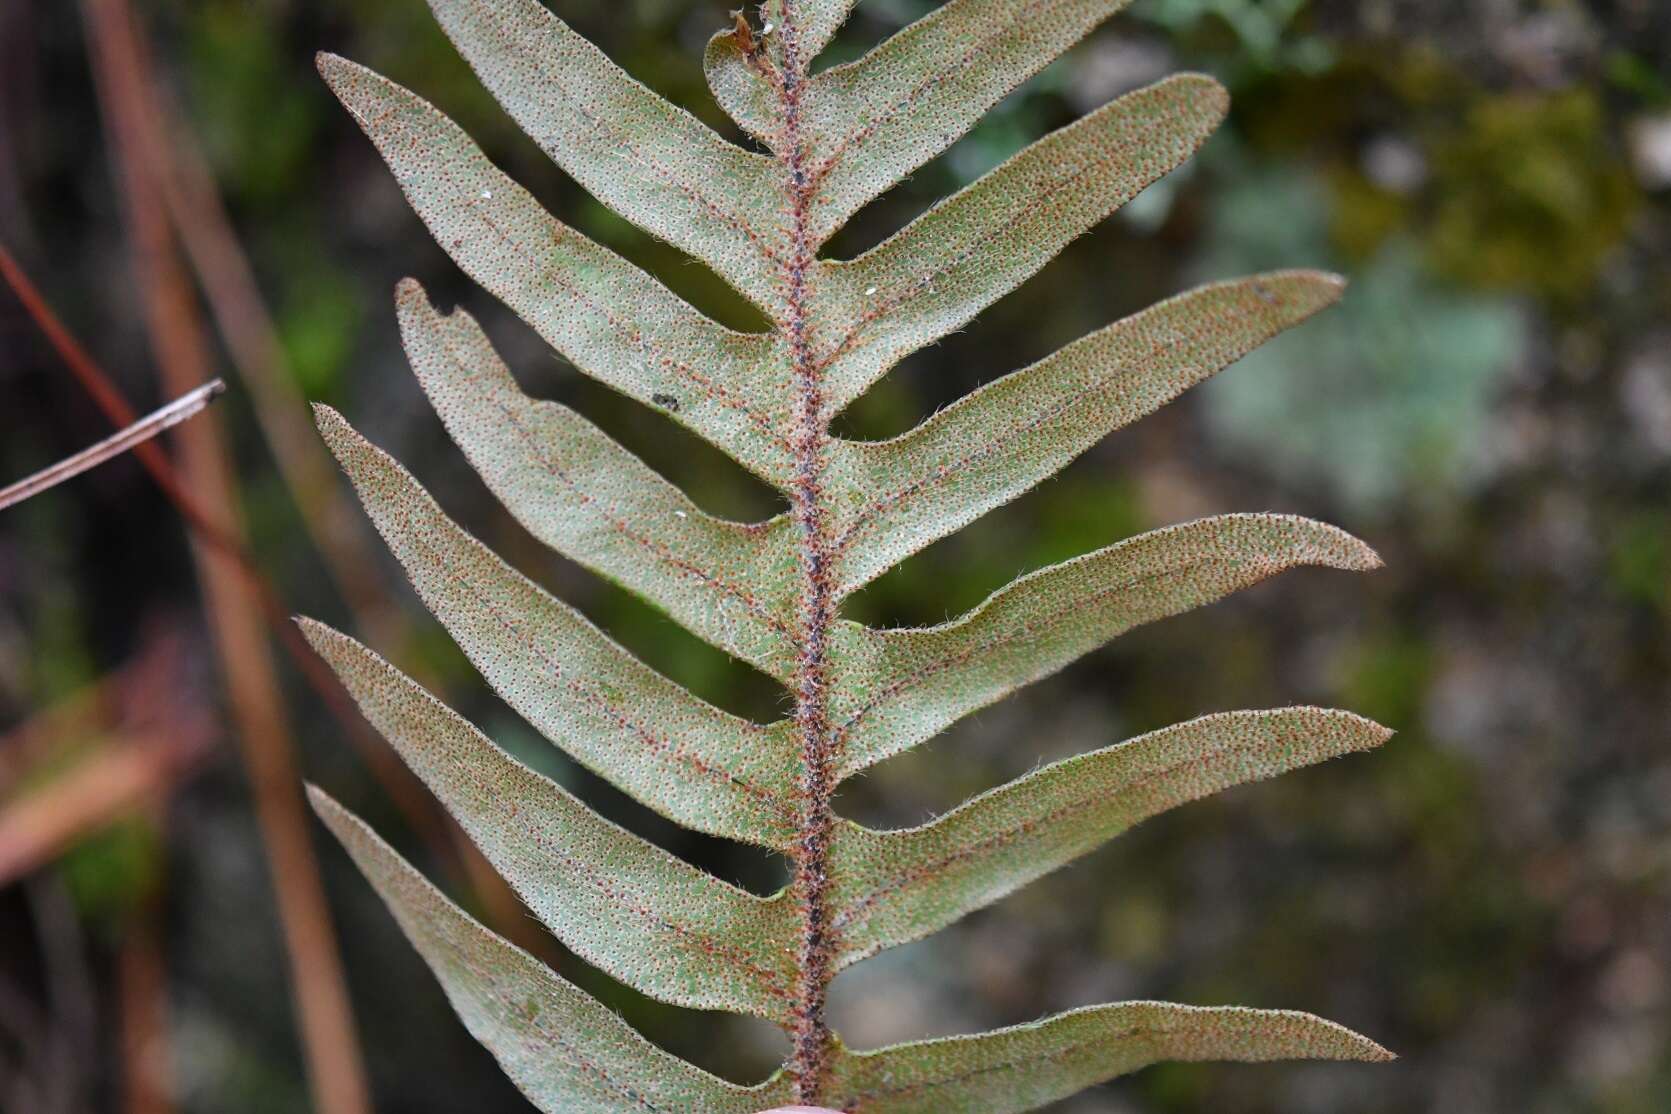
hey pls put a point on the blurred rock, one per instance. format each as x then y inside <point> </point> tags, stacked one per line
<point>1107,67</point>
<point>1650,150</point>
<point>1395,164</point>
<point>1645,393</point>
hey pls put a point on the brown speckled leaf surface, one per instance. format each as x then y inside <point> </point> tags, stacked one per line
<point>768,593</point>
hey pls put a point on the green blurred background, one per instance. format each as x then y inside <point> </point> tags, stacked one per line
<point>1489,895</point>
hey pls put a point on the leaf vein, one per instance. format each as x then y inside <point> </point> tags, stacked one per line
<point>996,442</point>
<point>624,141</point>
<point>660,550</point>
<point>1043,208</point>
<point>590,698</point>
<point>910,97</point>
<point>929,870</point>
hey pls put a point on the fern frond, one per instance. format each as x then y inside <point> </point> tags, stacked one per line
<point>898,688</point>
<point>614,322</point>
<point>656,740</point>
<point>660,926</point>
<point>650,161</point>
<point>1023,1068</point>
<point>943,268</point>
<point>864,126</point>
<point>584,495</point>
<point>768,592</point>
<point>1000,441</point>
<point>895,887</point>
<point>563,1048</point>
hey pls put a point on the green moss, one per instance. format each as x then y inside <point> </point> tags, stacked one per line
<point>1529,195</point>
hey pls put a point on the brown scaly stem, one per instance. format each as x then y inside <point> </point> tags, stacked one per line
<point>809,1032</point>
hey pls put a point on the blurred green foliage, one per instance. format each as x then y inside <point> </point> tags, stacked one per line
<point>1639,559</point>
<point>115,871</point>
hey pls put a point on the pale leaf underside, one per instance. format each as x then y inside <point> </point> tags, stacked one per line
<point>653,738</point>
<point>565,1050</point>
<point>895,887</point>
<point>767,592</point>
<point>942,269</point>
<point>569,1053</point>
<point>641,914</point>
<point>583,494</point>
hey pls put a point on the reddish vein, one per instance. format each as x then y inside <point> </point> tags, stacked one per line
<point>809,1032</point>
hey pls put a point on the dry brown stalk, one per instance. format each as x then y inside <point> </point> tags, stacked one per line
<point>325,1018</point>
<point>148,1082</point>
<point>229,288</point>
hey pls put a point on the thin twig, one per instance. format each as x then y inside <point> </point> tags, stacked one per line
<point>142,995</point>
<point>68,980</point>
<point>396,779</point>
<point>325,1018</point>
<point>164,417</point>
<point>105,395</point>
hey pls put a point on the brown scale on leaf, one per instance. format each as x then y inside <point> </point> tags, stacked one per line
<point>744,33</point>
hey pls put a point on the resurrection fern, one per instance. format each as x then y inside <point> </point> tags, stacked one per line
<point>769,593</point>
